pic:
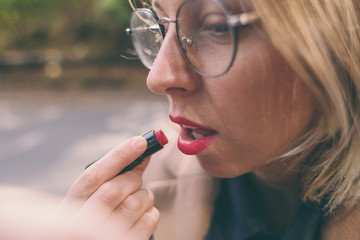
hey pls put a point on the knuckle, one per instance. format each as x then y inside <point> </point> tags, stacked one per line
<point>131,204</point>
<point>150,219</point>
<point>90,179</point>
<point>108,192</point>
<point>150,196</point>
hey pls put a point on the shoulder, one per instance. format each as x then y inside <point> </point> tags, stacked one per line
<point>343,224</point>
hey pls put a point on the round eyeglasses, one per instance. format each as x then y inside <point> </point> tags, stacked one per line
<point>207,33</point>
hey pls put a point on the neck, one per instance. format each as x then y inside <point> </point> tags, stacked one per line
<point>279,193</point>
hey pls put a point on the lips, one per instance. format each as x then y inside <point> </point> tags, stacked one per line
<point>194,138</point>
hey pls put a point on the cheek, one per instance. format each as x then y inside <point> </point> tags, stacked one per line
<point>267,108</point>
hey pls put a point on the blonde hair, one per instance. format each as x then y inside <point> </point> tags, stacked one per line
<point>320,39</point>
<point>139,3</point>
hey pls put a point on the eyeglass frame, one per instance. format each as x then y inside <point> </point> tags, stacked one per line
<point>234,21</point>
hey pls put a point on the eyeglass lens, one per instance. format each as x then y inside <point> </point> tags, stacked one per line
<point>204,35</point>
<point>146,35</point>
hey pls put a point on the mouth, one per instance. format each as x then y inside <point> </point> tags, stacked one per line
<point>194,138</point>
<point>196,133</point>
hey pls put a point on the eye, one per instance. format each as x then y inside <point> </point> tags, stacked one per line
<point>217,29</point>
<point>216,25</point>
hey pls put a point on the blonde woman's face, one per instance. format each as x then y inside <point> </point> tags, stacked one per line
<point>239,121</point>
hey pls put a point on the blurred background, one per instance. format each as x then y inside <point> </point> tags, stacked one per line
<point>67,95</point>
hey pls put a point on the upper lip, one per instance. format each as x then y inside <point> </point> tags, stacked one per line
<point>187,123</point>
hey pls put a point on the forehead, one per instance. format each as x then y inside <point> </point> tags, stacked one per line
<point>166,6</point>
<point>171,6</point>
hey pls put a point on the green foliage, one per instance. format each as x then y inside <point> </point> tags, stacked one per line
<point>25,19</point>
<point>14,12</point>
<point>118,10</point>
<point>43,24</point>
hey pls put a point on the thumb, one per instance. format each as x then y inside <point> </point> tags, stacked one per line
<point>156,141</point>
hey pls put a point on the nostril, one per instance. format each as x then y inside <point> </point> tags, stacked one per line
<point>175,89</point>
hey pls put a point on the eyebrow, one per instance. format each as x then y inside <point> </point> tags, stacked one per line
<point>157,5</point>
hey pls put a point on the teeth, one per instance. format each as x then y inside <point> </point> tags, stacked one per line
<point>196,132</point>
<point>189,127</point>
<point>197,135</point>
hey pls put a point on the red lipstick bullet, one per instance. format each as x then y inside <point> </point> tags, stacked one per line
<point>155,141</point>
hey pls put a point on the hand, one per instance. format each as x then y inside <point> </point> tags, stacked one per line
<point>102,206</point>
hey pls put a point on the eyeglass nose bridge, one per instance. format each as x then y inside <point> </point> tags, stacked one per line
<point>185,41</point>
<point>164,24</point>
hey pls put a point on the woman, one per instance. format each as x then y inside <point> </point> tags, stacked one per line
<point>266,97</point>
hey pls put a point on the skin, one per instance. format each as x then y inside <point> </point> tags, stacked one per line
<point>116,205</point>
<point>97,206</point>
<point>259,109</point>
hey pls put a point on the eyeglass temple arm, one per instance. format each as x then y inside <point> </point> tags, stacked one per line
<point>242,19</point>
<point>153,27</point>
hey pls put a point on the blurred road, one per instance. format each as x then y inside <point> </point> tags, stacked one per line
<point>47,138</point>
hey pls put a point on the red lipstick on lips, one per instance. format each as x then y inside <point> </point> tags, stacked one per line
<point>194,138</point>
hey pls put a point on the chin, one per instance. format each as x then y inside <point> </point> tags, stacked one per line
<point>218,169</point>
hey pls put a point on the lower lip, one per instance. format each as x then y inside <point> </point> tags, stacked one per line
<point>190,146</point>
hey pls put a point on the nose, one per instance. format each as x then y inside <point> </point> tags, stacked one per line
<point>170,73</point>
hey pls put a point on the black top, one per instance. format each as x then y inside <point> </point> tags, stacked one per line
<point>238,217</point>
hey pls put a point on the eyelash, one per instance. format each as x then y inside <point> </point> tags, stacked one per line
<point>218,29</point>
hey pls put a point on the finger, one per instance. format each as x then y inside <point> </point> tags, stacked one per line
<point>106,168</point>
<point>145,227</point>
<point>141,168</point>
<point>108,197</point>
<point>128,213</point>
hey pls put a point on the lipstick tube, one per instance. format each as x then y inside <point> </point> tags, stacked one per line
<point>155,142</point>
